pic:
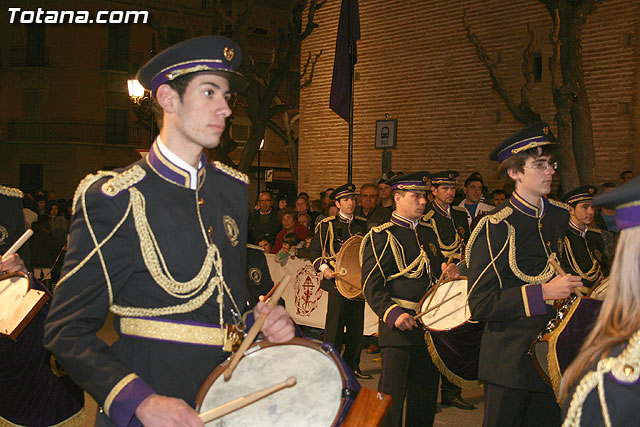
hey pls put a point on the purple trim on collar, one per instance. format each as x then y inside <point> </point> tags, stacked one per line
<point>510,150</point>
<point>205,65</point>
<point>161,165</point>
<point>123,407</point>
<point>575,230</point>
<point>537,306</point>
<point>627,217</point>
<point>402,222</point>
<point>527,208</point>
<point>439,209</point>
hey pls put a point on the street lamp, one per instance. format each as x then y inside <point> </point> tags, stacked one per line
<point>138,96</point>
<point>259,170</point>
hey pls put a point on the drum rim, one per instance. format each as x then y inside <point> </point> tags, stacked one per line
<point>428,293</point>
<point>316,345</point>
<point>347,244</point>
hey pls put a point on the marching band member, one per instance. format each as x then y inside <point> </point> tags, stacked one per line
<point>450,224</point>
<point>161,245</point>
<point>329,236</point>
<point>601,386</point>
<point>510,278</point>
<point>399,261</point>
<point>583,248</point>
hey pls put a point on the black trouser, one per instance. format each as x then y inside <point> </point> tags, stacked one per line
<point>408,372</point>
<point>506,407</point>
<point>341,313</point>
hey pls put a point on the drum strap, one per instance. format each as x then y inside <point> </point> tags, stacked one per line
<point>167,330</point>
<point>409,305</point>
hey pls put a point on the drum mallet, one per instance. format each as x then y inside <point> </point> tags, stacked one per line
<point>18,244</point>
<point>255,329</point>
<point>436,306</point>
<point>556,266</point>
<point>246,400</point>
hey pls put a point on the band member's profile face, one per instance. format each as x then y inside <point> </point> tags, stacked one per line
<point>202,112</point>
<point>535,180</point>
<point>265,201</point>
<point>582,213</point>
<point>444,194</point>
<point>368,198</point>
<point>347,205</point>
<point>410,204</point>
<point>473,191</point>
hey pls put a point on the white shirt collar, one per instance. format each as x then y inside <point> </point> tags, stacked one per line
<point>173,158</point>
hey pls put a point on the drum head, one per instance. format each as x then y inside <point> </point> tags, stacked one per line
<point>316,399</point>
<point>349,278</point>
<point>12,291</point>
<point>454,309</point>
<point>599,292</point>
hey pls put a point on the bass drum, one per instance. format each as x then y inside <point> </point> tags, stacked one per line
<point>322,396</point>
<point>453,338</point>
<point>348,271</point>
<point>599,291</point>
<point>558,344</point>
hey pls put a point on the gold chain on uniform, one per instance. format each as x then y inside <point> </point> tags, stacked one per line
<point>594,272</point>
<point>412,271</point>
<point>457,247</point>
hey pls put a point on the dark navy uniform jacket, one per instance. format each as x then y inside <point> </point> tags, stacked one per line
<point>386,251</point>
<point>583,255</point>
<point>507,256</point>
<point>451,227</point>
<point>12,221</point>
<point>143,244</point>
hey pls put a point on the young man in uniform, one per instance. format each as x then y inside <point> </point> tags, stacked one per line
<point>510,278</point>
<point>400,259</point>
<point>583,248</point>
<point>330,235</point>
<point>452,231</point>
<point>161,245</point>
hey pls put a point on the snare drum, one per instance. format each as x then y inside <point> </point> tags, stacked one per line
<point>453,339</point>
<point>322,396</point>
<point>19,303</point>
<point>558,344</point>
<point>599,291</point>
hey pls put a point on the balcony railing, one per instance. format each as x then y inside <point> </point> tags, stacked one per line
<point>29,57</point>
<point>73,131</point>
<point>120,60</point>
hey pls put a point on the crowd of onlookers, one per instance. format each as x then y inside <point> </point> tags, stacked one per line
<point>286,228</point>
<point>49,218</point>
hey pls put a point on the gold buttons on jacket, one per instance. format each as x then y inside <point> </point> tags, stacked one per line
<point>201,202</point>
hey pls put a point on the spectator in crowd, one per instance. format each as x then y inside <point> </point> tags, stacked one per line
<point>326,199</point>
<point>265,243</point>
<point>51,196</point>
<point>288,218</point>
<point>302,207</point>
<point>281,202</point>
<point>304,195</point>
<point>43,248</point>
<point>473,194</point>
<point>498,197</point>
<point>264,221</point>
<point>369,209</point>
<point>41,204</point>
<point>59,224</point>
<point>30,216</point>
<point>304,219</point>
<point>384,194</point>
<point>288,249</point>
<point>316,207</point>
<point>626,176</point>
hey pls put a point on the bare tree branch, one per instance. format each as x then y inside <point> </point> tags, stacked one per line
<point>528,68</point>
<point>304,82</point>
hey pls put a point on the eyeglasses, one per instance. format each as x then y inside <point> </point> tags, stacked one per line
<point>544,166</point>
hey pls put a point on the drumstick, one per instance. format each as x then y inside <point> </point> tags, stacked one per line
<point>271,291</point>
<point>255,329</point>
<point>435,306</point>
<point>18,244</point>
<point>242,401</point>
<point>556,266</point>
<point>438,283</point>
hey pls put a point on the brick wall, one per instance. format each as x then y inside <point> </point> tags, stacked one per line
<point>416,64</point>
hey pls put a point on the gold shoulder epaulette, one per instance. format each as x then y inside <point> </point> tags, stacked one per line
<point>428,215</point>
<point>559,204</point>
<point>259,248</point>
<point>11,192</point>
<point>495,218</point>
<point>322,221</point>
<point>361,218</point>
<point>425,224</point>
<point>233,173</point>
<point>595,230</point>
<point>123,181</point>
<point>380,228</point>
<point>459,208</point>
<point>87,182</point>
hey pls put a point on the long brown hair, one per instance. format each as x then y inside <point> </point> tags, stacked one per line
<point>619,317</point>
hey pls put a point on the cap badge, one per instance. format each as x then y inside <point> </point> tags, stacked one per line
<point>450,176</point>
<point>228,53</point>
<point>545,130</point>
<point>591,190</point>
<point>425,178</point>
